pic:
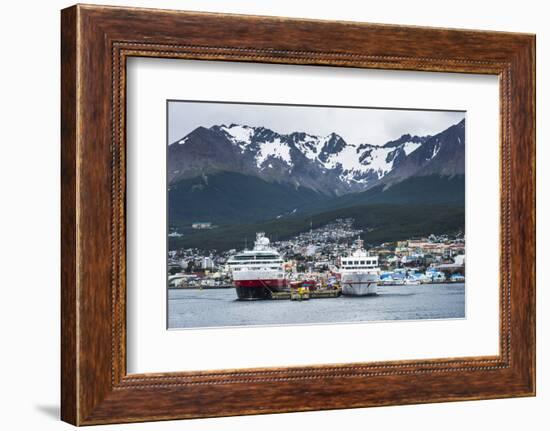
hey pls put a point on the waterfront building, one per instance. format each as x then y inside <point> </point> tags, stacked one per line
<point>202,225</point>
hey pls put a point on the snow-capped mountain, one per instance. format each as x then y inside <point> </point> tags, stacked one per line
<point>326,164</point>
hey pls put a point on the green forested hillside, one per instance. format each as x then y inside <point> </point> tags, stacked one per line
<point>241,205</point>
<point>385,222</point>
<point>228,198</point>
<point>432,189</point>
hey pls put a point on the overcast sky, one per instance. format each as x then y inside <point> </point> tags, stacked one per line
<point>356,125</point>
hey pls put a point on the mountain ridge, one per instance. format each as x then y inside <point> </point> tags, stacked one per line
<point>326,164</point>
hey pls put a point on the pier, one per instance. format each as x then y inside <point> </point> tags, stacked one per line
<point>301,294</point>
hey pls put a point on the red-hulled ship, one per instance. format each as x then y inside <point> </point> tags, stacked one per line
<point>257,273</point>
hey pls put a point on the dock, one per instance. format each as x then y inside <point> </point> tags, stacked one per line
<point>302,294</point>
<point>328,293</point>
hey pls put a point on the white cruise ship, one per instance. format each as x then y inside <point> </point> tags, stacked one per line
<point>258,272</point>
<point>359,272</point>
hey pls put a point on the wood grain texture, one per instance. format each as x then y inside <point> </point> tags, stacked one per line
<point>69,397</point>
<point>96,41</point>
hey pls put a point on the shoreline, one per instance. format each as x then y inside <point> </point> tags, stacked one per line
<point>380,285</point>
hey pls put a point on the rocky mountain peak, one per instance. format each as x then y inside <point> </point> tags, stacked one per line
<point>407,138</point>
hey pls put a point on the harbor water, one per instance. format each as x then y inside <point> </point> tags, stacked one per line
<point>194,308</point>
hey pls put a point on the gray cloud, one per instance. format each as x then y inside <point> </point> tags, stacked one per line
<point>356,125</point>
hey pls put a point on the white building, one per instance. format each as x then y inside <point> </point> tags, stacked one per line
<point>202,225</point>
<point>207,263</point>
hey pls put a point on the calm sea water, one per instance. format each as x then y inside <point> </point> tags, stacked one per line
<point>219,307</point>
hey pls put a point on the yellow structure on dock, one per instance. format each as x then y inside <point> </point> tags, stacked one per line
<point>304,293</point>
<point>299,294</point>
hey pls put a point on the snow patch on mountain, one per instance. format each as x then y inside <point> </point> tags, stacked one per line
<point>379,160</point>
<point>274,149</point>
<point>238,134</point>
<point>410,147</point>
<point>309,146</point>
<point>348,159</point>
<point>436,150</point>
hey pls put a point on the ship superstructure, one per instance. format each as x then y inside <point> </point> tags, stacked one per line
<point>359,272</point>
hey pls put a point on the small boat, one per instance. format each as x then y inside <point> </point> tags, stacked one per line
<point>411,281</point>
<point>457,278</point>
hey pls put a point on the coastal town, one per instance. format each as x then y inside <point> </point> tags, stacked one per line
<point>317,255</point>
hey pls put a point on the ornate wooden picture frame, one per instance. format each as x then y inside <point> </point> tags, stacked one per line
<point>96,41</point>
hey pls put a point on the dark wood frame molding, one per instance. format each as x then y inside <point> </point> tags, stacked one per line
<point>95,43</point>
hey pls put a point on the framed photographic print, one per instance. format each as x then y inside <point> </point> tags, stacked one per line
<point>328,217</point>
<point>267,215</point>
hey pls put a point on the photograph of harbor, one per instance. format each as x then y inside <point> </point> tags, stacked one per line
<point>300,214</point>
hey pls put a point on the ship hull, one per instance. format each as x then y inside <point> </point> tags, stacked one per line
<point>249,290</point>
<point>359,284</point>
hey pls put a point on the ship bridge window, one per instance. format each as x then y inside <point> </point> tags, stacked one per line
<point>241,257</point>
